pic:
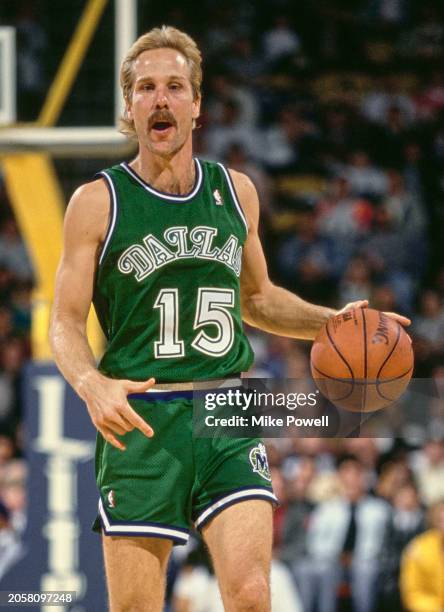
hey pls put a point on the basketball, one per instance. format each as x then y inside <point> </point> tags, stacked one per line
<point>362,360</point>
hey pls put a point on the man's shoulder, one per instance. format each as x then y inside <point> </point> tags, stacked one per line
<point>89,206</point>
<point>93,191</point>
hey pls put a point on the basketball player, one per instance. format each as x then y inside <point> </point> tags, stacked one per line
<point>167,248</point>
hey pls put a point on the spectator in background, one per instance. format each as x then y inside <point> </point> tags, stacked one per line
<point>407,520</point>
<point>11,361</point>
<point>13,253</point>
<point>405,209</point>
<point>426,39</point>
<point>300,506</point>
<point>297,519</point>
<point>243,61</point>
<point>343,218</point>
<point>356,281</point>
<point>385,248</point>
<point>306,260</point>
<point>365,179</point>
<point>415,170</point>
<point>230,130</point>
<point>6,282</point>
<point>430,100</point>
<point>11,548</point>
<point>428,325</point>
<point>345,539</point>
<point>6,451</point>
<point>20,303</point>
<point>386,94</point>
<point>289,143</point>
<point>6,323</point>
<point>224,88</point>
<point>422,567</point>
<point>383,297</point>
<point>394,475</point>
<point>337,133</point>
<point>281,41</point>
<point>13,484</point>
<point>428,467</point>
<point>195,589</point>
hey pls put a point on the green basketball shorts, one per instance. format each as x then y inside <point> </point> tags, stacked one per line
<point>159,486</point>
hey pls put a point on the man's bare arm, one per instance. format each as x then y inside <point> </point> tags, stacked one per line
<point>265,305</point>
<point>86,222</point>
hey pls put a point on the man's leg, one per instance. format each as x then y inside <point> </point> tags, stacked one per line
<point>240,541</point>
<point>135,572</point>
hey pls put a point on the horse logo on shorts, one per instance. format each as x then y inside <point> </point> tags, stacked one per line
<point>259,461</point>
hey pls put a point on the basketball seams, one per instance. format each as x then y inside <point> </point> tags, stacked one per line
<point>364,330</point>
<point>345,381</point>
<point>337,350</point>
<point>338,357</point>
<point>361,381</point>
<point>391,352</point>
<point>378,384</point>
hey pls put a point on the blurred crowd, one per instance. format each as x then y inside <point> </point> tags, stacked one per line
<point>336,112</point>
<point>360,528</point>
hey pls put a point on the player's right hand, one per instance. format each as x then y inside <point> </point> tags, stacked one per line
<point>108,407</point>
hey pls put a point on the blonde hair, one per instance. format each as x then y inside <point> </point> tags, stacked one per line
<point>165,37</point>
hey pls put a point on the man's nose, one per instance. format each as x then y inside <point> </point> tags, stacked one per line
<point>161,99</point>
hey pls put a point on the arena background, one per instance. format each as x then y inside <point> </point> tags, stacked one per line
<point>336,112</point>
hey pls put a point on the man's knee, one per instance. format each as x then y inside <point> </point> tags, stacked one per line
<point>250,593</point>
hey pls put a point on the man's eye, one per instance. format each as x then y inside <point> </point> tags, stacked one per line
<point>147,87</point>
<point>175,86</point>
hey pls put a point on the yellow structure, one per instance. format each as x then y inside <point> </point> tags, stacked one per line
<point>37,200</point>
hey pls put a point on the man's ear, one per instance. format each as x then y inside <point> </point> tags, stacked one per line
<point>196,107</point>
<point>128,111</point>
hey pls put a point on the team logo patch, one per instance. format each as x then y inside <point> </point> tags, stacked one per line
<point>111,499</point>
<point>259,461</point>
<point>217,197</point>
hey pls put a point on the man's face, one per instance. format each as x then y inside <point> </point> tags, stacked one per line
<point>162,105</point>
<point>352,478</point>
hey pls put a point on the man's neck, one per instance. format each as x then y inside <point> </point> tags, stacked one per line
<point>174,175</point>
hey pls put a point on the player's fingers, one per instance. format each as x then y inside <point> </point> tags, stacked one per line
<point>397,317</point>
<point>118,427</point>
<point>351,305</point>
<point>138,422</point>
<point>358,304</point>
<point>111,438</point>
<point>139,387</point>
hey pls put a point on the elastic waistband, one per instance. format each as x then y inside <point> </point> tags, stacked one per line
<point>184,390</point>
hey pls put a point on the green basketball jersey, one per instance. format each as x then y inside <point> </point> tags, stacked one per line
<point>167,286</point>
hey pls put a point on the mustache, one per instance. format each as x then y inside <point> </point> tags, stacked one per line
<point>161,115</point>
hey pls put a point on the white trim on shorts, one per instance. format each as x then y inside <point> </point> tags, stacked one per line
<point>153,530</point>
<point>233,498</point>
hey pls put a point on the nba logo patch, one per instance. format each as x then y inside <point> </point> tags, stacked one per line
<point>111,499</point>
<point>259,461</point>
<point>218,198</point>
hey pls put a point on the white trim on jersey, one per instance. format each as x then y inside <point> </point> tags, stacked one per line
<point>165,196</point>
<point>147,530</point>
<point>112,222</point>
<point>234,195</point>
<point>253,493</point>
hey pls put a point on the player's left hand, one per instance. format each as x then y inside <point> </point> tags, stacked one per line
<point>364,304</point>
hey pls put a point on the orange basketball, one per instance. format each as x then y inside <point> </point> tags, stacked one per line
<point>362,360</point>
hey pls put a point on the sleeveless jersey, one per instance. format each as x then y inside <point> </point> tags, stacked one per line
<point>167,285</point>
